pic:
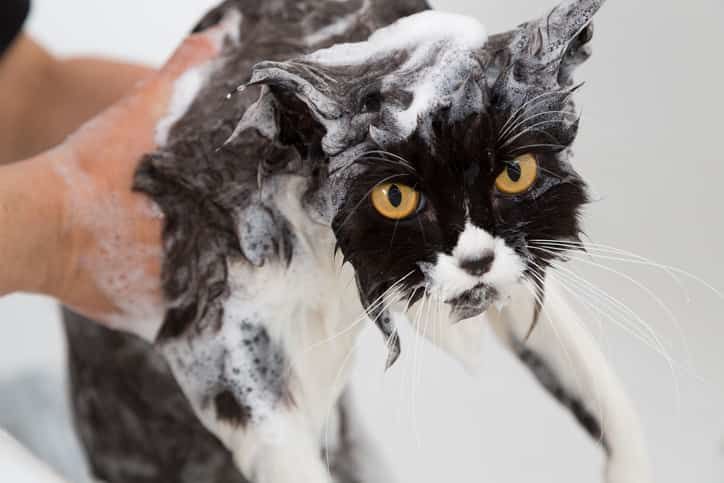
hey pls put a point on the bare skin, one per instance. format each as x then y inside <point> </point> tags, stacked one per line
<point>45,98</point>
<point>70,226</point>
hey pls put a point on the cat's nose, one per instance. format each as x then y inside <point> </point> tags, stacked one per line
<point>479,266</point>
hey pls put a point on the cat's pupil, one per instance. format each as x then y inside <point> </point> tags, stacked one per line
<point>514,172</point>
<point>394,195</point>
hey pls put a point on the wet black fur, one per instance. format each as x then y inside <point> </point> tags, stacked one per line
<point>460,162</point>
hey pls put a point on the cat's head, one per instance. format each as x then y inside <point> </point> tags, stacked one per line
<point>446,151</point>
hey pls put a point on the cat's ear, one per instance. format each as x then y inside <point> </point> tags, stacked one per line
<point>543,54</point>
<point>299,80</point>
<point>296,105</point>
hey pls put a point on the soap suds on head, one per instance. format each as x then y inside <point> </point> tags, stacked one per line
<point>416,30</point>
<point>440,50</point>
<point>429,58</point>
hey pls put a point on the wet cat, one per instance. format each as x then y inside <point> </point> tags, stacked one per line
<point>421,162</point>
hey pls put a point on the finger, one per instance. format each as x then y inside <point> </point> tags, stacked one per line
<point>205,43</point>
<point>137,115</point>
<point>194,51</point>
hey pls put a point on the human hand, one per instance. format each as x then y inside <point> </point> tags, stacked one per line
<point>70,224</point>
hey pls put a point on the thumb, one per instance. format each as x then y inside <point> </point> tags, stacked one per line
<point>196,50</point>
<point>137,116</point>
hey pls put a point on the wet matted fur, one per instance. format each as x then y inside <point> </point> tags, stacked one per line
<point>265,189</point>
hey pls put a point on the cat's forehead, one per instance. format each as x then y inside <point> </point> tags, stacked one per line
<point>416,33</point>
<point>382,91</point>
<point>428,56</point>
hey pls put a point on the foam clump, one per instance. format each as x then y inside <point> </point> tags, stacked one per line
<point>440,48</point>
<point>427,27</point>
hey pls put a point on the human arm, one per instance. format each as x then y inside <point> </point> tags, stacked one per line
<point>70,224</point>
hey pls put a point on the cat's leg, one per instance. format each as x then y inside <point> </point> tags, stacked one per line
<point>354,456</point>
<point>564,357</point>
<point>280,449</point>
<point>243,387</point>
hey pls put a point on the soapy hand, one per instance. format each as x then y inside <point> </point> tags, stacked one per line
<point>70,224</point>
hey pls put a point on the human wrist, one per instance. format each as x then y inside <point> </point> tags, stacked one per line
<point>33,242</point>
<point>26,70</point>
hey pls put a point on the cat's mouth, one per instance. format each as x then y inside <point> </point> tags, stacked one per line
<point>472,303</point>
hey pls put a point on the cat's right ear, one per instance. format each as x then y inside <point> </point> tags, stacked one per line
<point>293,108</point>
<point>302,81</point>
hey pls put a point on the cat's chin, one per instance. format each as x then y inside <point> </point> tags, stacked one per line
<point>472,303</point>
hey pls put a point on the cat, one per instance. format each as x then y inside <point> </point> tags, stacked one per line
<point>347,158</point>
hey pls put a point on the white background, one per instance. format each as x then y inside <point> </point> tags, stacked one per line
<point>651,147</point>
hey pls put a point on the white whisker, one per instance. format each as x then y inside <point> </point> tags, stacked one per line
<point>667,310</point>
<point>599,397</point>
<point>519,124</point>
<point>529,129</point>
<point>566,352</point>
<point>365,313</point>
<point>533,101</point>
<point>623,310</point>
<point>415,362</point>
<point>598,248</point>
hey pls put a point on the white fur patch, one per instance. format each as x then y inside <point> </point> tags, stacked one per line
<point>315,324</point>
<point>473,241</point>
<point>449,280</point>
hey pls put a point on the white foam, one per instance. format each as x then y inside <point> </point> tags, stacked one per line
<point>440,47</point>
<point>185,90</point>
<point>423,28</point>
<point>117,268</point>
<point>188,86</point>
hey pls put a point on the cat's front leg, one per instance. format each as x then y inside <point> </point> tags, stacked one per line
<point>354,455</point>
<point>240,382</point>
<point>280,449</point>
<point>564,357</point>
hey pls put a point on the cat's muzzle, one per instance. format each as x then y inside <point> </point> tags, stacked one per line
<point>472,303</point>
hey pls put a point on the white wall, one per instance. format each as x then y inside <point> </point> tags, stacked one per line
<point>651,148</point>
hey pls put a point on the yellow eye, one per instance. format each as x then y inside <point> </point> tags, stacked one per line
<point>395,201</point>
<point>518,176</point>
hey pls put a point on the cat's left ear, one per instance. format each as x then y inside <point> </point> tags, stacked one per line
<point>545,52</point>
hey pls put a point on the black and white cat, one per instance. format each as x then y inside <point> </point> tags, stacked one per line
<point>409,173</point>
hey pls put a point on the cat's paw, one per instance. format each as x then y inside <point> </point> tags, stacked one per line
<point>627,471</point>
<point>292,472</point>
